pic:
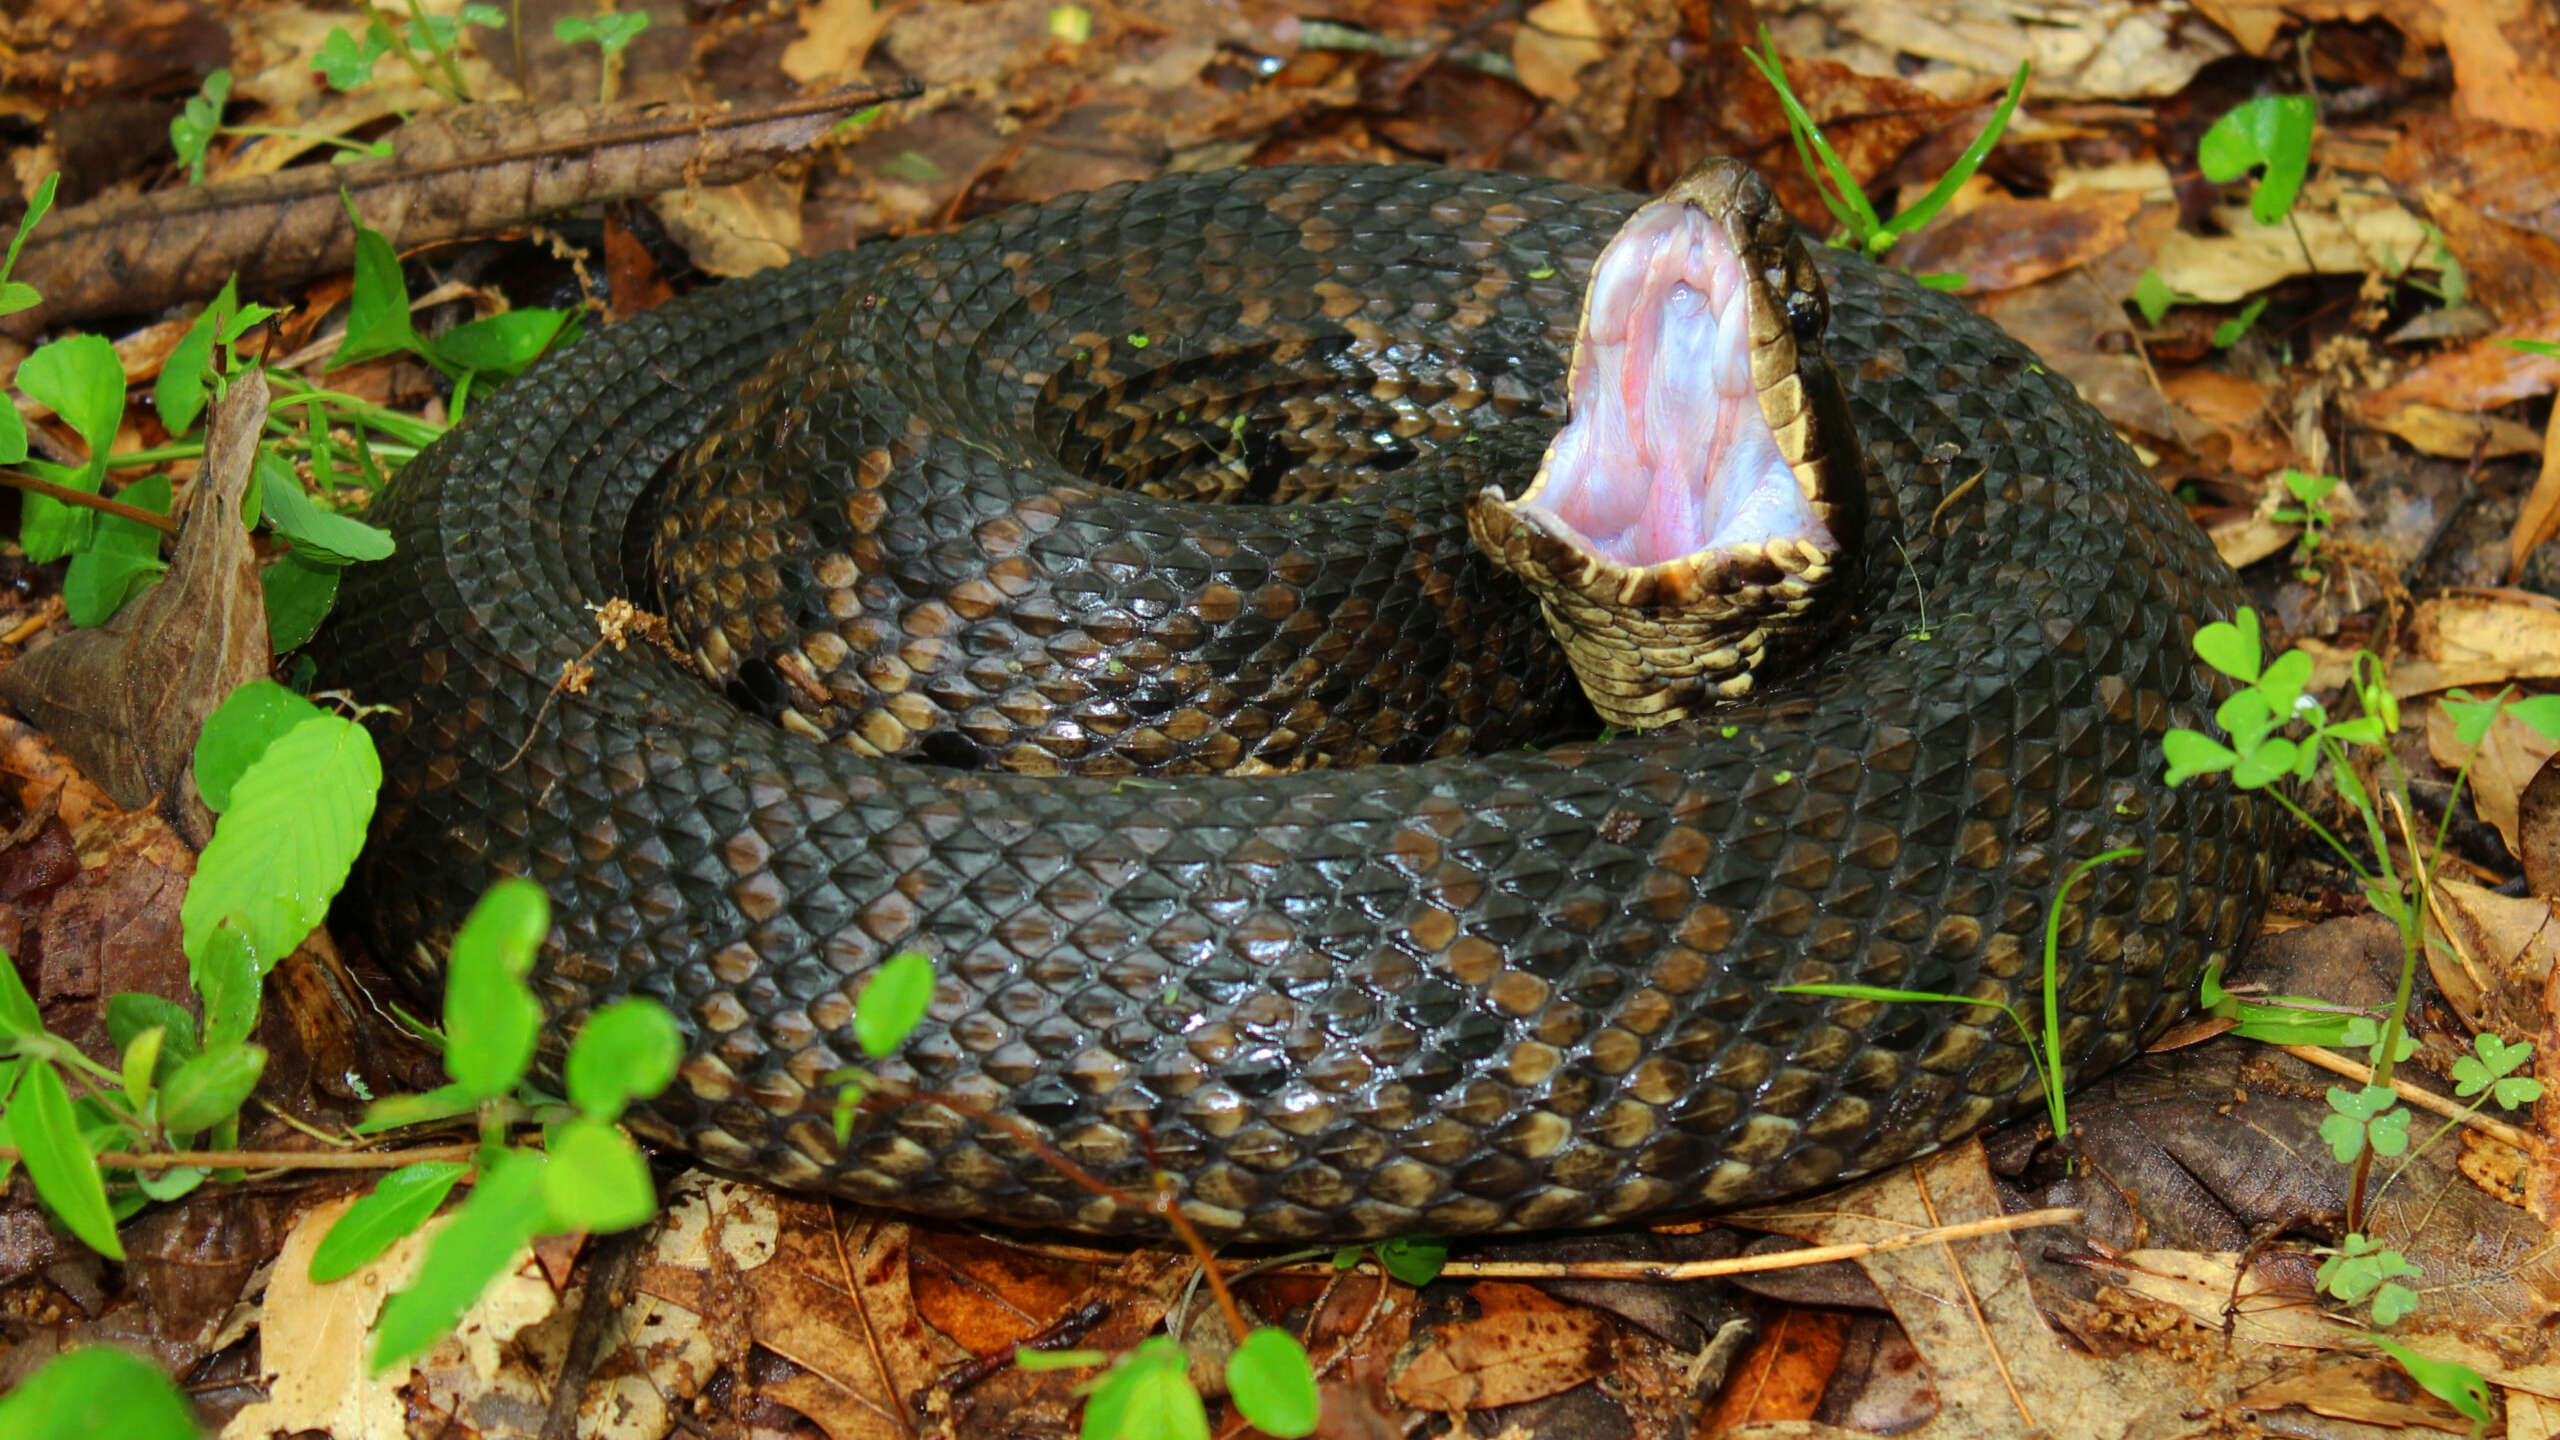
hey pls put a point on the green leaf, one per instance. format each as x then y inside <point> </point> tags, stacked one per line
<point>1273,1385</point>
<point>97,1392</point>
<point>192,131</point>
<point>2231,646</point>
<point>37,205</point>
<point>13,430</point>
<point>2153,297</point>
<point>1944,280</point>
<point>2547,349</point>
<point>2228,333</point>
<point>2345,1137</point>
<point>2271,761</point>
<point>228,978</point>
<point>283,849</point>
<point>503,344</point>
<point>2392,1301</point>
<point>378,311</point>
<point>1919,214</point>
<point>610,32</point>
<point>345,62</point>
<point>2309,489</point>
<point>491,1021</point>
<point>2272,130</point>
<point>2540,712</point>
<point>134,1011</point>
<point>140,1067</point>
<point>2496,1059</point>
<point>81,380</point>
<point>892,1004</point>
<point>2388,1132</point>
<point>122,560</point>
<point>2190,754</point>
<point>1147,1396</point>
<point>210,1088</point>
<point>1414,1259</point>
<point>393,1111</point>
<point>598,1180</point>
<point>58,1161</point>
<point>401,1202</point>
<point>179,392</point>
<point>323,537</point>
<point>628,1050</point>
<point>475,1247</point>
<point>2455,1384</point>
<point>298,592</point>
<point>18,1013</point>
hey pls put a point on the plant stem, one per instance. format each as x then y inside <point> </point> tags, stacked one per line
<point>69,496</point>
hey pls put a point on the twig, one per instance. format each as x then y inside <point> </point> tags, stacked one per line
<point>273,1159</point>
<point>1751,1264</point>
<point>69,496</point>
<point>2424,1099</point>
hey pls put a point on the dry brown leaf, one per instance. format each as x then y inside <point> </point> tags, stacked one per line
<point>2542,1169</point>
<point>2484,629</point>
<point>2506,61</point>
<point>1520,1349</point>
<point>127,699</point>
<point>2482,375</point>
<point>456,173</point>
<point>1787,1371</point>
<point>2237,411</point>
<point>2531,1417</point>
<point>2377,1392</point>
<point>2334,230</point>
<point>739,229</point>
<point>2497,954</point>
<point>835,36</point>
<point>2111,52</point>
<point>2510,755</point>
<point>1557,38</point>
<point>2456,435</point>
<point>314,1341</point>
<point>2253,23</point>
<point>2538,832</point>
<point>2540,516</point>
<point>2266,1311</point>
<point>985,1294</point>
<point>2004,243</point>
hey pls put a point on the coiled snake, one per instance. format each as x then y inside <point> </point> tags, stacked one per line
<point>1177,477</point>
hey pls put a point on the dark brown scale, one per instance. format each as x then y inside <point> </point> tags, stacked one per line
<point>1509,990</point>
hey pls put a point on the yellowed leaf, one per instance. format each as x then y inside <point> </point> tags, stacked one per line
<point>2540,516</point>
<point>1556,40</point>
<point>314,1340</point>
<point>2510,755</point>
<point>737,229</point>
<point>2455,434</point>
<point>1506,1359</point>
<point>835,37</point>
<point>2497,956</point>
<point>2200,1284</point>
<point>2342,232</point>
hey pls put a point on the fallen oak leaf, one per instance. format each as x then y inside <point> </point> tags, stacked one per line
<point>127,699</point>
<point>462,172</point>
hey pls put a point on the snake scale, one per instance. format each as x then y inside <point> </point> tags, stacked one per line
<point>1481,984</point>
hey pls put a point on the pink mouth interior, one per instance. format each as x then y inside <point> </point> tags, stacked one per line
<point>1666,452</point>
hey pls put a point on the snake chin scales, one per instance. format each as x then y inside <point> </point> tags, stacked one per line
<point>1044,581</point>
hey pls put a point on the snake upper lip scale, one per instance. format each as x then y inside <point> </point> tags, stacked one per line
<point>1477,986</point>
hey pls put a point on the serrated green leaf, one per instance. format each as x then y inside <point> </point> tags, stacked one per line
<point>283,849</point>
<point>491,1021</point>
<point>892,1003</point>
<point>249,720</point>
<point>475,1247</point>
<point>1272,1384</point>
<point>628,1050</point>
<point>97,1392</point>
<point>598,1180</point>
<point>401,1202</point>
<point>58,1160</point>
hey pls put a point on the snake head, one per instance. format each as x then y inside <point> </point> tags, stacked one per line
<point>1689,526</point>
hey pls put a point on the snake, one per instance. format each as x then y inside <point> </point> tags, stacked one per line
<point>1201,617</point>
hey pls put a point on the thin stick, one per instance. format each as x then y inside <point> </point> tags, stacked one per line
<point>274,1159</point>
<point>69,496</point>
<point>2338,1064</point>
<point>1752,1264</point>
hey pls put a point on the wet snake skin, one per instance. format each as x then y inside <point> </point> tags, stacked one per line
<point>1477,987</point>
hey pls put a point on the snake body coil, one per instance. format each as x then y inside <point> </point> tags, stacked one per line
<point>1469,991</point>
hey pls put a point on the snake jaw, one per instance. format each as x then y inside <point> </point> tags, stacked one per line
<point>1690,514</point>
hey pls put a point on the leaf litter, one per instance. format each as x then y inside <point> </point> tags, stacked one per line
<point>2369,333</point>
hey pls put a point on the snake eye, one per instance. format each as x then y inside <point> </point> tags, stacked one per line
<point>1807,313</point>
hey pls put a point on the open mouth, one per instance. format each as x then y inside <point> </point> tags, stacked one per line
<point>1697,501</point>
<point>1668,452</point>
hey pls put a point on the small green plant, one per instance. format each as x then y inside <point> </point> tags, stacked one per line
<point>1414,1259</point>
<point>2274,131</point>
<point>2154,298</point>
<point>424,44</point>
<point>2310,510</point>
<point>2232,331</point>
<point>1860,227</point>
<point>587,1176</point>
<point>609,32</point>
<point>193,131</point>
<point>2547,349</point>
<point>97,1390</point>
<point>2044,1049</point>
<point>2280,736</point>
<point>1147,1393</point>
